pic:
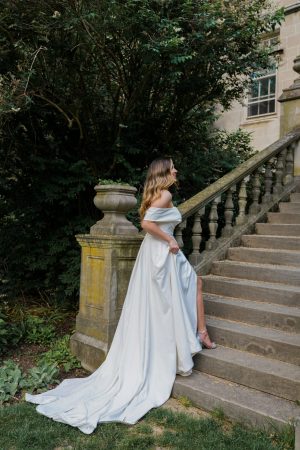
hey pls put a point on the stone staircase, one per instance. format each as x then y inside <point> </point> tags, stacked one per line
<point>252,302</point>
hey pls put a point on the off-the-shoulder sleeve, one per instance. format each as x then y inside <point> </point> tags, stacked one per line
<point>154,214</point>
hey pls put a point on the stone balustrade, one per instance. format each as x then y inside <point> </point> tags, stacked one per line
<point>218,215</point>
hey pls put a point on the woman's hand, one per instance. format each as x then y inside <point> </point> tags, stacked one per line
<point>153,229</point>
<point>173,246</point>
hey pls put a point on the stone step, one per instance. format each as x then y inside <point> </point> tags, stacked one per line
<point>259,272</point>
<point>267,342</point>
<point>264,374</point>
<point>264,256</point>
<point>259,291</point>
<point>295,197</point>
<point>265,241</point>
<point>238,402</point>
<point>285,218</point>
<point>261,314</point>
<point>288,207</point>
<point>278,229</point>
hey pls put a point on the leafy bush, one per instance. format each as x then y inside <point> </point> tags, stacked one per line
<point>12,380</point>
<point>37,331</point>
<point>10,333</point>
<point>98,89</point>
<point>35,327</point>
<point>40,377</point>
<point>60,355</point>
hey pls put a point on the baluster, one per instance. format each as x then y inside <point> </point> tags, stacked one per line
<point>213,225</point>
<point>229,207</point>
<point>267,197</point>
<point>255,207</point>
<point>289,165</point>
<point>241,218</point>
<point>284,153</point>
<point>178,233</point>
<point>194,257</point>
<point>277,189</point>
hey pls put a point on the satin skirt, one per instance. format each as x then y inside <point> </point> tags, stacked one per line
<point>155,339</point>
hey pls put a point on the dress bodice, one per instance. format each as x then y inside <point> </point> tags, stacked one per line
<point>166,218</point>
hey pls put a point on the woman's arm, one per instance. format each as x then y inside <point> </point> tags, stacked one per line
<point>155,230</point>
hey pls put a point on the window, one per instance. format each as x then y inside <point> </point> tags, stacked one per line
<point>272,43</point>
<point>261,98</point>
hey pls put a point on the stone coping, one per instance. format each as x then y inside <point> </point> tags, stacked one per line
<point>91,239</point>
<point>291,9</point>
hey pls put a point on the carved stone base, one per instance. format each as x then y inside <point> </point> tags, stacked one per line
<point>90,351</point>
<point>106,266</point>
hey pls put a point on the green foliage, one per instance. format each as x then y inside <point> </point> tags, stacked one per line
<point>10,333</point>
<point>185,401</point>
<point>108,181</point>
<point>286,435</point>
<point>218,414</point>
<point>60,355</point>
<point>98,89</point>
<point>31,324</point>
<point>12,380</point>
<point>40,377</point>
<point>38,331</point>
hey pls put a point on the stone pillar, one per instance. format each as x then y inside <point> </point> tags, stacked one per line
<point>290,113</point>
<point>108,254</point>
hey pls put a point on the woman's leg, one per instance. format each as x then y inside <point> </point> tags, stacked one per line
<point>201,324</point>
<point>200,306</point>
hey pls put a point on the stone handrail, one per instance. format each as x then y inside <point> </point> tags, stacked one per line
<point>275,164</point>
<point>201,199</point>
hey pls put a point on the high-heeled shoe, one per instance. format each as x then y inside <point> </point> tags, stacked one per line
<point>205,340</point>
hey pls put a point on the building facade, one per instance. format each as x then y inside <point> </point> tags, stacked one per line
<point>259,112</point>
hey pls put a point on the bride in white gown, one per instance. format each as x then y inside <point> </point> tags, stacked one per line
<point>161,326</point>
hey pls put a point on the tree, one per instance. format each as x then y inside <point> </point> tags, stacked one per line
<point>98,88</point>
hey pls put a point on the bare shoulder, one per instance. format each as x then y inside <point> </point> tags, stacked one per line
<point>164,201</point>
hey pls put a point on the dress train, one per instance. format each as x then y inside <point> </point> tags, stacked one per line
<point>155,339</point>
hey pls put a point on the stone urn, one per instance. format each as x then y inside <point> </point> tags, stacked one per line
<point>296,65</point>
<point>115,201</point>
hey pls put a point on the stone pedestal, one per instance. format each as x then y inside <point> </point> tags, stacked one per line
<point>106,265</point>
<point>290,113</point>
<point>107,260</point>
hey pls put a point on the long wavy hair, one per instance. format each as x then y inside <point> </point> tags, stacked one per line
<point>158,178</point>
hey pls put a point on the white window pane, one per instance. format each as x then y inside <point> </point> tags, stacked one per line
<point>262,96</point>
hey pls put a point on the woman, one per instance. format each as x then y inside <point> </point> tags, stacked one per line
<point>157,332</point>
<point>161,175</point>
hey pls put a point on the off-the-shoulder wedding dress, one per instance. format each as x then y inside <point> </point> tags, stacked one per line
<point>154,340</point>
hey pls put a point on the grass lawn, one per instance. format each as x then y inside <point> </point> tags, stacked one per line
<point>175,426</point>
<point>161,429</point>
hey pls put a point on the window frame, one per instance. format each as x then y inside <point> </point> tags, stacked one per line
<point>265,98</point>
